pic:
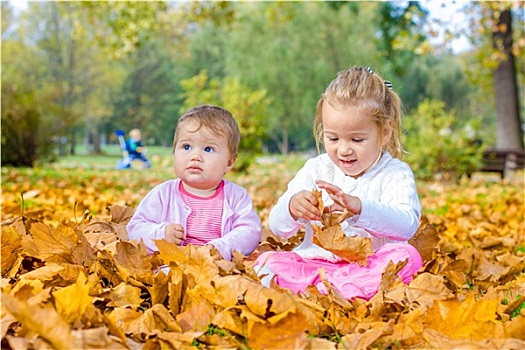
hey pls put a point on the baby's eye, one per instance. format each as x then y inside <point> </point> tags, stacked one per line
<point>208,149</point>
<point>358,140</point>
<point>186,147</point>
<point>332,138</point>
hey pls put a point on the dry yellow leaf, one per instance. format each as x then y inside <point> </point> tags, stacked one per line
<point>72,301</point>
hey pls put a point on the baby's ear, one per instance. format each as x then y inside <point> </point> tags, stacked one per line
<point>231,163</point>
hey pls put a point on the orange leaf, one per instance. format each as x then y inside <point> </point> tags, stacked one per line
<point>352,249</point>
<point>73,300</point>
<point>425,240</point>
<point>124,295</point>
<point>467,319</point>
<point>44,321</point>
<point>288,333</point>
<point>10,247</point>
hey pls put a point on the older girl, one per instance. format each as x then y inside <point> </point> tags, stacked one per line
<point>358,121</point>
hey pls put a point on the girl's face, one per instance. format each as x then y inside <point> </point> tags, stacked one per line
<point>352,139</point>
<point>201,158</point>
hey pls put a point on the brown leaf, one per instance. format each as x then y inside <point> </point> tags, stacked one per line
<point>49,244</point>
<point>11,244</point>
<point>467,319</point>
<point>288,333</point>
<point>367,334</point>
<point>352,249</point>
<point>169,252</point>
<point>54,329</point>
<point>124,295</point>
<point>72,301</point>
<point>120,214</point>
<point>197,316</point>
<point>170,340</point>
<point>319,195</point>
<point>158,317</point>
<point>424,289</point>
<point>425,240</point>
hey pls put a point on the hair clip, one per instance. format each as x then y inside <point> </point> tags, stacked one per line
<point>388,84</point>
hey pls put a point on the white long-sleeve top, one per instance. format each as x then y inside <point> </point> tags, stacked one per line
<point>390,205</point>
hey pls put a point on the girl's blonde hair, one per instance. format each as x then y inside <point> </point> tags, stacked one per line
<point>217,120</point>
<point>366,90</point>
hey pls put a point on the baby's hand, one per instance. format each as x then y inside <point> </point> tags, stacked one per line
<point>303,205</point>
<point>174,233</point>
<point>341,199</point>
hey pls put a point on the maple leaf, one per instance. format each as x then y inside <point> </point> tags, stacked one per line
<point>171,340</point>
<point>54,330</point>
<point>158,317</point>
<point>196,316</point>
<point>124,295</point>
<point>10,246</point>
<point>425,240</point>
<point>133,263</point>
<point>49,244</point>
<point>72,301</point>
<point>367,334</point>
<point>120,214</point>
<point>467,319</point>
<point>288,333</point>
<point>332,238</point>
<point>352,249</point>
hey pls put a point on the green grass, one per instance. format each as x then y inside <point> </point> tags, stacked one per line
<point>111,154</point>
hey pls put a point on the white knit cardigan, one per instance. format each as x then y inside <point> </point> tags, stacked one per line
<point>390,204</point>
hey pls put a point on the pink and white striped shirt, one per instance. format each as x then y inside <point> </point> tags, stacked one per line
<point>204,222</point>
<point>240,226</point>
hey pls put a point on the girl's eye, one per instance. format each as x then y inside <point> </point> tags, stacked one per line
<point>186,147</point>
<point>358,140</point>
<point>332,138</point>
<point>208,149</point>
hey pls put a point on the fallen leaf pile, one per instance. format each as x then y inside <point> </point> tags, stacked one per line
<point>71,284</point>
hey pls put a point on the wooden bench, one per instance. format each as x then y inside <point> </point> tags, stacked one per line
<point>501,161</point>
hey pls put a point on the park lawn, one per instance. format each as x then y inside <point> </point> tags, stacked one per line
<point>470,292</point>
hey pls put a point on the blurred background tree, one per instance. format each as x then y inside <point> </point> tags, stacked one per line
<point>88,68</point>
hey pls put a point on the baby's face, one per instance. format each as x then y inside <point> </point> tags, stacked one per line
<point>201,158</point>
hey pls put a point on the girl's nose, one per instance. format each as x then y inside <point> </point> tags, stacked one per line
<point>346,148</point>
<point>196,157</point>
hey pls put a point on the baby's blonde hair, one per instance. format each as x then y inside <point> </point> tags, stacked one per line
<point>217,120</point>
<point>135,133</point>
<point>366,90</point>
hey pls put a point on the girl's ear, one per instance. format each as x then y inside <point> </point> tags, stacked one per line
<point>231,163</point>
<point>387,132</point>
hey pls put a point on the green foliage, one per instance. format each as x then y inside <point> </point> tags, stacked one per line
<point>148,97</point>
<point>438,143</point>
<point>23,142</point>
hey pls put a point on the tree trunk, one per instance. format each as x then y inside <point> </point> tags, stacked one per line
<point>96,141</point>
<point>509,132</point>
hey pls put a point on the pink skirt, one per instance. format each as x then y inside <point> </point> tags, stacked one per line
<point>350,279</point>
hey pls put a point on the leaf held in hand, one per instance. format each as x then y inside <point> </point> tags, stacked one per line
<point>332,238</point>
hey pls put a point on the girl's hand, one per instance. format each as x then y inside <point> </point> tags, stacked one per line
<point>341,200</point>
<point>174,233</point>
<point>303,205</point>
